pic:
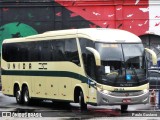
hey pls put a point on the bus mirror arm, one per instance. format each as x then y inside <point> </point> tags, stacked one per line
<point>154,56</point>
<point>96,55</point>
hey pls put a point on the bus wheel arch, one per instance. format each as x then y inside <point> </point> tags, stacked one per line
<point>17,93</point>
<point>79,97</point>
<point>77,93</point>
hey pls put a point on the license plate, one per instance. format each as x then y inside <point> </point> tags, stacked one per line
<point>126,100</point>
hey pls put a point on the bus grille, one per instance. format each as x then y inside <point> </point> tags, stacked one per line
<point>128,93</point>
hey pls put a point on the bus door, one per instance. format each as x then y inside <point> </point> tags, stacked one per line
<point>91,81</point>
<point>92,91</point>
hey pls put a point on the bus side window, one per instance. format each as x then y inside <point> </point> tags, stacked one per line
<point>6,52</point>
<point>22,52</point>
<point>35,49</point>
<point>14,52</point>
<point>57,50</point>
<point>53,49</point>
<point>71,51</point>
<point>60,54</point>
<point>88,58</point>
<point>46,51</point>
<point>91,70</point>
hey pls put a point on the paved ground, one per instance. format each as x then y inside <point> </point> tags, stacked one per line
<point>71,111</point>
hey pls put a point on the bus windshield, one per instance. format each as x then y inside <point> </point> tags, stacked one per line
<point>122,64</point>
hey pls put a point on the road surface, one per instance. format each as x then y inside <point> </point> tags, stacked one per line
<point>71,111</point>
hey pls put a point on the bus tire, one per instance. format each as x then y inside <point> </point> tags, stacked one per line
<point>25,96</point>
<point>83,105</point>
<point>18,95</point>
<point>124,108</point>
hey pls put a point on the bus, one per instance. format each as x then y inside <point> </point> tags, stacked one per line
<point>96,66</point>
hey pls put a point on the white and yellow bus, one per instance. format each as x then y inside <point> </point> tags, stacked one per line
<point>90,66</point>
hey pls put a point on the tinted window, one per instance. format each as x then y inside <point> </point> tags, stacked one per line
<point>10,52</point>
<point>57,50</point>
<point>34,51</point>
<point>71,51</point>
<point>45,51</point>
<point>23,52</point>
<point>50,50</point>
<point>88,58</point>
<point>5,52</point>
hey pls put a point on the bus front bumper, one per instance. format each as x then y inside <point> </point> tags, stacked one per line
<point>107,99</point>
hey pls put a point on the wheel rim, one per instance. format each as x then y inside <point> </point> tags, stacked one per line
<point>83,105</point>
<point>80,99</point>
<point>26,97</point>
<point>18,95</point>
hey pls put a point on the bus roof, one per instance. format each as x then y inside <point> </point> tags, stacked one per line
<point>95,34</point>
<point>110,35</point>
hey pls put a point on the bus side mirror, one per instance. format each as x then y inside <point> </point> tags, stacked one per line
<point>153,54</point>
<point>96,55</point>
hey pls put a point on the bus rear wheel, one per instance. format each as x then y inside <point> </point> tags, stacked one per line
<point>25,96</point>
<point>18,96</point>
<point>124,108</point>
<point>83,105</point>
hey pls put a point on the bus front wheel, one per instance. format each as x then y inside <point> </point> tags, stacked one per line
<point>83,105</point>
<point>124,108</point>
<point>25,96</point>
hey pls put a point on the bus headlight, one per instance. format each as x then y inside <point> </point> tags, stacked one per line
<point>100,89</point>
<point>106,92</point>
<point>145,91</point>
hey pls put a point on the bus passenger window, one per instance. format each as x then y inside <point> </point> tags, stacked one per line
<point>22,51</point>
<point>34,54</point>
<point>71,51</point>
<point>46,51</point>
<point>57,50</point>
<point>88,58</point>
<point>14,52</point>
<point>6,52</point>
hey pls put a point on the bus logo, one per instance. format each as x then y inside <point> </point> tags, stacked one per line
<point>43,66</point>
<point>128,77</point>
